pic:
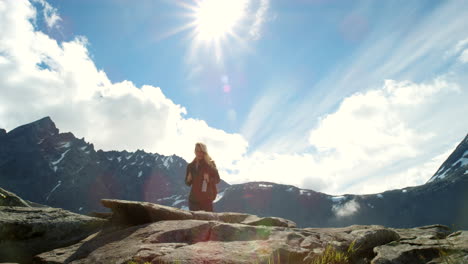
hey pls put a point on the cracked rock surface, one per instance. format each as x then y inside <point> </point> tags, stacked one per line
<point>202,237</point>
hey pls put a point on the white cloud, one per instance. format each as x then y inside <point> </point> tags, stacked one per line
<point>386,138</point>
<point>259,20</point>
<point>464,56</point>
<point>347,209</point>
<point>40,77</point>
<point>50,13</point>
<point>375,140</point>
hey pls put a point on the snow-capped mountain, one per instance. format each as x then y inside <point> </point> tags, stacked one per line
<point>57,169</point>
<point>442,200</point>
<point>455,166</point>
<point>45,166</point>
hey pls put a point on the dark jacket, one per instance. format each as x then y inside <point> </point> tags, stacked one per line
<point>196,193</point>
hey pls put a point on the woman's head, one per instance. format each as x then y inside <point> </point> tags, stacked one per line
<point>201,153</point>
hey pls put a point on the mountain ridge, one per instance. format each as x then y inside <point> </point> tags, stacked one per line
<point>45,166</point>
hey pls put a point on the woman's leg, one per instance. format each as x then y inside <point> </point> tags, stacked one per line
<point>207,206</point>
<point>193,206</point>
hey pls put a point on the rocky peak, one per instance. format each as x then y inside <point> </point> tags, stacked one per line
<point>2,132</point>
<point>456,164</point>
<point>37,130</point>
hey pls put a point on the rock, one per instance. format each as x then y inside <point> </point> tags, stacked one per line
<point>27,231</point>
<point>137,213</point>
<point>10,199</point>
<point>180,240</point>
<point>161,234</point>
<point>431,244</point>
<point>268,221</point>
<point>2,132</point>
<point>201,241</point>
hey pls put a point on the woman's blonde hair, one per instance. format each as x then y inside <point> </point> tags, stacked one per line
<point>202,147</point>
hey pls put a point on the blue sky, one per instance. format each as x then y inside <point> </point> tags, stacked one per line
<point>335,96</point>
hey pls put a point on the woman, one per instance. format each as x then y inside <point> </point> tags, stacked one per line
<point>203,176</point>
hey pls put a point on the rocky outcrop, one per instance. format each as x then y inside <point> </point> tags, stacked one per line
<point>134,213</point>
<point>431,244</point>
<point>171,235</point>
<point>27,231</point>
<point>10,199</point>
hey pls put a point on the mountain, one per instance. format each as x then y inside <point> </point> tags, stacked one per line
<point>57,169</point>
<point>47,167</point>
<point>442,200</point>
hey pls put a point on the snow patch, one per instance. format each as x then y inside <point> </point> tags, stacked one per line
<point>170,197</point>
<point>111,158</point>
<point>61,158</point>
<point>119,159</point>
<point>128,157</point>
<point>403,191</point>
<point>84,148</point>
<point>440,177</point>
<point>290,189</point>
<point>65,144</point>
<point>338,199</point>
<point>441,169</point>
<point>380,196</point>
<point>167,161</point>
<point>370,205</point>
<point>81,208</point>
<point>55,188</point>
<point>40,141</point>
<point>219,196</point>
<point>265,185</point>
<point>139,174</point>
<point>463,161</point>
<point>178,202</point>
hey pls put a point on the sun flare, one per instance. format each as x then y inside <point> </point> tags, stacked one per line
<point>214,19</point>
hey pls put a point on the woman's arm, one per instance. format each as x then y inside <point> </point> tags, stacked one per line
<point>215,174</point>
<point>188,176</point>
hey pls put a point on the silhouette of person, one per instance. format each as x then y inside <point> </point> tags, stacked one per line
<point>203,176</point>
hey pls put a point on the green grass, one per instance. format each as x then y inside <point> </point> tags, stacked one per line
<point>333,256</point>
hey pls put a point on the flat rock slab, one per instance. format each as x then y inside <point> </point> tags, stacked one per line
<point>201,241</point>
<point>27,231</point>
<point>431,244</point>
<point>137,213</point>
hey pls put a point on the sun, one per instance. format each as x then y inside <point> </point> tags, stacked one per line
<point>216,19</point>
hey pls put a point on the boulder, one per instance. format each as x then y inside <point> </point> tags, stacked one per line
<point>137,213</point>
<point>27,231</point>
<point>10,199</point>
<point>430,244</point>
